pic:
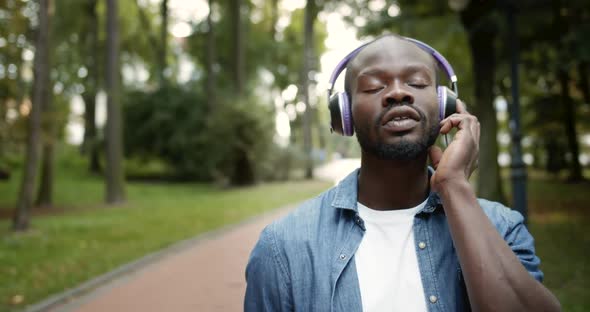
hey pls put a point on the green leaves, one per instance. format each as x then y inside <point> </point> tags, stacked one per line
<point>174,124</point>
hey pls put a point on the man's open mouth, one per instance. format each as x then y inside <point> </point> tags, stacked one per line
<point>400,119</point>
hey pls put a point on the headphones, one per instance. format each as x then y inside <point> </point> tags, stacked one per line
<point>339,103</point>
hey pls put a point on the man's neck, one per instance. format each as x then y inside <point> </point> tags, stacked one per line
<point>392,184</point>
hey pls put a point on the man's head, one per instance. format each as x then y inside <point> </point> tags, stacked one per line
<point>392,88</point>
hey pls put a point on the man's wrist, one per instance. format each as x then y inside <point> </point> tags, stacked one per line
<point>450,182</point>
<point>452,185</point>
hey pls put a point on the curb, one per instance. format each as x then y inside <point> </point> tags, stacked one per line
<point>84,289</point>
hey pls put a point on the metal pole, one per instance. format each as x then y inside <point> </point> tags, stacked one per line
<point>518,168</point>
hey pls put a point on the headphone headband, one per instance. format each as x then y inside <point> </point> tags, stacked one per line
<point>448,69</point>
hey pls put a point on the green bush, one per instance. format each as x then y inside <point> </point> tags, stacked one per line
<point>228,143</point>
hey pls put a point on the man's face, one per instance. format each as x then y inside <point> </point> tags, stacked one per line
<point>394,101</point>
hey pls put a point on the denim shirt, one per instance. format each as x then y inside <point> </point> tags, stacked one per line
<point>305,261</point>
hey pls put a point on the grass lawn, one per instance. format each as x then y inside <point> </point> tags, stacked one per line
<point>560,223</point>
<point>82,238</point>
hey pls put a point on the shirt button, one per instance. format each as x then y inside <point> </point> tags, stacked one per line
<point>342,257</point>
<point>422,245</point>
<point>433,299</point>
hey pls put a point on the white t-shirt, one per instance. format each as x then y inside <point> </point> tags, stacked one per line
<point>386,261</point>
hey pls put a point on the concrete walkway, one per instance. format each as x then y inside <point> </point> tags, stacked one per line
<point>208,276</point>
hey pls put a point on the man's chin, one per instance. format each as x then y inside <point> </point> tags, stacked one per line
<point>403,147</point>
<point>402,151</point>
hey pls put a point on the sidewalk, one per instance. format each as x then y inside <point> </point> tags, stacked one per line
<point>207,276</point>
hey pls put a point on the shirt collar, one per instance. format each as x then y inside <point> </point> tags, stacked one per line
<point>346,196</point>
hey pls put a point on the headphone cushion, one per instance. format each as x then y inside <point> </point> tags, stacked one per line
<point>347,124</point>
<point>341,116</point>
<point>335,114</point>
<point>447,102</point>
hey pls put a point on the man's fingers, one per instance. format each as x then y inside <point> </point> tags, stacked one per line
<point>461,107</point>
<point>460,121</point>
<point>435,155</point>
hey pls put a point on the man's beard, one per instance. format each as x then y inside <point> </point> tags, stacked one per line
<point>403,150</point>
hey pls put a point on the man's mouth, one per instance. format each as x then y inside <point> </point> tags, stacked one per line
<point>400,119</point>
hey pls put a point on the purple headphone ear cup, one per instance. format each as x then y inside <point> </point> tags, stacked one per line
<point>335,114</point>
<point>347,126</point>
<point>341,116</point>
<point>447,102</point>
<point>442,101</point>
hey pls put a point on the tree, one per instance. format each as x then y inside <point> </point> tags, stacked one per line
<point>238,45</point>
<point>555,47</point>
<point>564,79</point>
<point>48,139</point>
<point>14,86</point>
<point>308,58</point>
<point>115,192</point>
<point>90,146</point>
<point>163,41</point>
<point>277,54</point>
<point>40,85</point>
<point>210,55</point>
<point>479,20</point>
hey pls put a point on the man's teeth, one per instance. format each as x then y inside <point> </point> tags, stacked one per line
<point>399,118</point>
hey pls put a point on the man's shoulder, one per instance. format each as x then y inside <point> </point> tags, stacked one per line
<point>501,216</point>
<point>306,221</point>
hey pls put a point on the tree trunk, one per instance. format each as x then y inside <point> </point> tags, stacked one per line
<point>90,146</point>
<point>482,34</point>
<point>238,46</point>
<point>45,195</point>
<point>244,168</point>
<point>114,133</point>
<point>570,127</point>
<point>569,121</point>
<point>21,217</point>
<point>584,85</point>
<point>309,18</point>
<point>48,127</point>
<point>210,60</point>
<point>163,42</point>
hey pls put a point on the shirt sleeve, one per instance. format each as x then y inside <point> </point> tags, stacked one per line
<point>268,284</point>
<point>522,242</point>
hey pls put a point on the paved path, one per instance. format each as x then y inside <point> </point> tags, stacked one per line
<point>208,276</point>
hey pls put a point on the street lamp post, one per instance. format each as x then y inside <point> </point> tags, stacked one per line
<point>518,168</point>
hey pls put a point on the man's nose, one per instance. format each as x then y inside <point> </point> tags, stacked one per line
<point>398,94</point>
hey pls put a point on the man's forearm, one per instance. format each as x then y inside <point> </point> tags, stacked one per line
<point>495,278</point>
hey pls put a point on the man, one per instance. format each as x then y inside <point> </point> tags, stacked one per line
<point>396,235</point>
